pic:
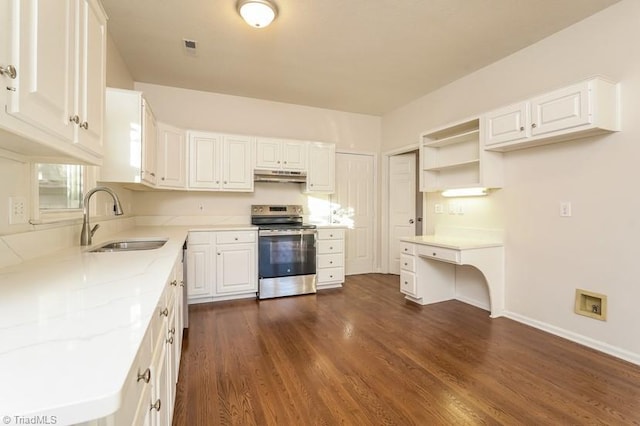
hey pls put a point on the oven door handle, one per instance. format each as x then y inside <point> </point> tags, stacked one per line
<point>275,233</point>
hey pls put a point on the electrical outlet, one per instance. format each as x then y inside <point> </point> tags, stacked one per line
<point>565,209</point>
<point>17,210</point>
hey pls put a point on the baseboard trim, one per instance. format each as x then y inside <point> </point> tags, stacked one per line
<point>475,303</point>
<point>577,338</point>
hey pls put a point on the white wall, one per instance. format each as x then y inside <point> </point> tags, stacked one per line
<point>192,109</point>
<point>548,257</point>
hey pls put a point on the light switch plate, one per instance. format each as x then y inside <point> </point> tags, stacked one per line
<point>565,209</point>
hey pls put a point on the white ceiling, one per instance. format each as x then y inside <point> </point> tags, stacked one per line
<point>366,56</point>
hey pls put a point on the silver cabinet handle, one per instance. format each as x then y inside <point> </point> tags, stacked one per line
<point>331,262</point>
<point>406,249</point>
<point>152,174</point>
<point>225,182</point>
<point>534,125</point>
<point>174,283</point>
<point>74,119</point>
<point>405,263</point>
<point>278,162</point>
<point>219,254</point>
<point>162,178</point>
<point>521,128</point>
<point>84,125</point>
<point>164,312</point>
<point>181,283</point>
<point>10,71</point>
<point>330,235</point>
<point>145,377</point>
<point>236,238</point>
<point>156,406</point>
<point>172,331</point>
<point>434,254</point>
<point>170,340</point>
<point>410,220</point>
<point>285,162</point>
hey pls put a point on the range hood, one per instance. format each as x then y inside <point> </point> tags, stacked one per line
<point>282,176</point>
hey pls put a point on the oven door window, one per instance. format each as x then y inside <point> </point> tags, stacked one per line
<point>286,255</point>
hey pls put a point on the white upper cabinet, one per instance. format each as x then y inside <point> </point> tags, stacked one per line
<point>91,81</point>
<point>321,175</point>
<point>172,153</point>
<point>281,154</point>
<point>130,139</point>
<point>583,109</point>
<point>54,104</point>
<point>149,145</point>
<point>220,162</point>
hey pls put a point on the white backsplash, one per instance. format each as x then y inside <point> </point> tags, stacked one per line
<point>17,248</point>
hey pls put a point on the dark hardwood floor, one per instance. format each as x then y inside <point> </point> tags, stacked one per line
<point>362,355</point>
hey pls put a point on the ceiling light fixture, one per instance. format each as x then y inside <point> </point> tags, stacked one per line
<point>257,13</point>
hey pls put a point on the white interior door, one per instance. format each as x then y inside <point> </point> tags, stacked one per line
<point>353,199</point>
<point>402,204</point>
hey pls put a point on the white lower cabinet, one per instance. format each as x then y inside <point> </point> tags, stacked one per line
<point>330,258</point>
<point>222,265</point>
<point>150,387</point>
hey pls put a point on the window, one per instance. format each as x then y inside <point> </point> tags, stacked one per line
<point>59,186</point>
<point>58,191</point>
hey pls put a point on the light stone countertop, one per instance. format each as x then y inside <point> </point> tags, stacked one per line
<point>71,324</point>
<point>456,243</point>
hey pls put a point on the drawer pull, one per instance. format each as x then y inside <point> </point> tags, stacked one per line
<point>236,238</point>
<point>434,254</point>
<point>164,312</point>
<point>406,283</point>
<point>331,262</point>
<point>170,340</point>
<point>156,406</point>
<point>330,276</point>
<point>145,377</point>
<point>174,283</point>
<point>331,248</point>
<point>406,249</point>
<point>181,283</point>
<point>331,235</point>
<point>172,331</point>
<point>405,263</point>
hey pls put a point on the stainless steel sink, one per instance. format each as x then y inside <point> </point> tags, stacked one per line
<point>129,245</point>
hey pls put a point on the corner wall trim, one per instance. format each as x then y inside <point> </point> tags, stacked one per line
<point>577,338</point>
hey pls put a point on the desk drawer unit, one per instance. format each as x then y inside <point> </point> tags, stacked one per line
<point>407,262</point>
<point>407,248</point>
<point>440,253</point>
<point>408,283</point>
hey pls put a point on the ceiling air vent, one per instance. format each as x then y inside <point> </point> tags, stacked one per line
<point>189,47</point>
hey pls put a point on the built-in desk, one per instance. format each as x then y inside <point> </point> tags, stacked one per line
<point>428,262</point>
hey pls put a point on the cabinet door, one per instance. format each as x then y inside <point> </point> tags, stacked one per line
<point>43,54</point>
<point>91,68</point>
<point>561,110</point>
<point>321,170</point>
<point>149,145</point>
<point>204,160</point>
<point>294,155</point>
<point>172,149</point>
<point>236,268</point>
<point>507,124</point>
<point>268,154</point>
<point>236,162</point>
<point>199,273</point>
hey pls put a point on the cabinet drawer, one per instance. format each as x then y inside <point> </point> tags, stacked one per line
<point>330,234</point>
<point>407,248</point>
<point>408,283</point>
<point>235,237</point>
<point>330,260</point>
<point>134,390</point>
<point>327,275</point>
<point>440,253</point>
<point>407,262</point>
<point>329,246</point>
<point>199,237</point>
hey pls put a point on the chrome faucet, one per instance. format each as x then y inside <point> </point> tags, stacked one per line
<point>87,232</point>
